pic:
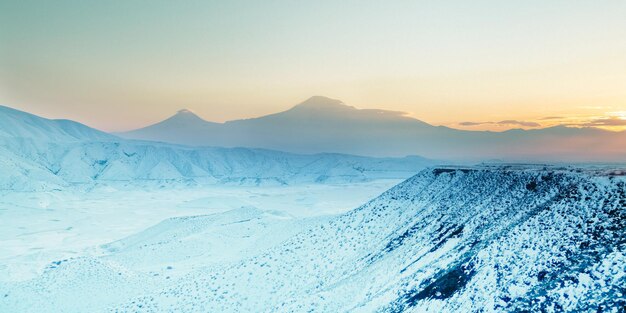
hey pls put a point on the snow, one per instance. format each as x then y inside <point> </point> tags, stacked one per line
<point>38,227</point>
<point>143,164</point>
<point>446,240</point>
<point>41,154</point>
<point>93,223</point>
<point>18,124</point>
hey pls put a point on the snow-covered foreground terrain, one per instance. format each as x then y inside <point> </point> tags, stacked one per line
<point>446,240</point>
<point>37,228</point>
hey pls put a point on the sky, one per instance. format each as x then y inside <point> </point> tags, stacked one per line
<point>122,64</point>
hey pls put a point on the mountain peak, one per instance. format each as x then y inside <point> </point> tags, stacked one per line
<point>185,116</point>
<point>185,111</point>
<point>321,102</point>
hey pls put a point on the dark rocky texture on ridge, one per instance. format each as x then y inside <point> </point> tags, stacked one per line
<point>491,239</point>
<point>514,238</point>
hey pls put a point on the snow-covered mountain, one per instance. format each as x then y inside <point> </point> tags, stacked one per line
<point>321,124</point>
<point>26,140</point>
<point>21,125</point>
<point>486,239</point>
<point>37,153</point>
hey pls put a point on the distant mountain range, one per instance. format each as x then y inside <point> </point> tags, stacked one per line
<point>42,154</point>
<point>321,124</point>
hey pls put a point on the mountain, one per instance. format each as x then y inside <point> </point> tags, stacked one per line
<point>476,239</point>
<point>16,124</point>
<point>42,154</point>
<point>185,127</point>
<point>317,125</point>
<point>23,134</point>
<point>320,124</point>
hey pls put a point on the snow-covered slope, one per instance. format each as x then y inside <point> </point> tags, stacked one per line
<point>488,239</point>
<point>22,174</point>
<point>153,164</point>
<point>41,154</point>
<point>18,124</point>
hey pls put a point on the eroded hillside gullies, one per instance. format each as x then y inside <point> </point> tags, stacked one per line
<point>446,240</point>
<point>39,154</point>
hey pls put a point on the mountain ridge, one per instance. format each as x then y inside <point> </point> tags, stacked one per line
<point>324,125</point>
<point>321,124</point>
<point>42,154</point>
<point>19,124</point>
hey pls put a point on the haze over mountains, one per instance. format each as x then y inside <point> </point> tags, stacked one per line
<point>321,124</point>
<point>42,154</point>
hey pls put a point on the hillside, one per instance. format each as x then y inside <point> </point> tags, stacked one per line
<point>42,154</point>
<point>26,126</point>
<point>446,240</point>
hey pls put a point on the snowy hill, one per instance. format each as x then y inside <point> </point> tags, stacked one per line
<point>445,240</point>
<point>320,124</point>
<point>488,239</point>
<point>18,124</point>
<point>153,163</point>
<point>41,154</point>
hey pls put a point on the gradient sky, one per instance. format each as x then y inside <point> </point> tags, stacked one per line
<point>117,65</point>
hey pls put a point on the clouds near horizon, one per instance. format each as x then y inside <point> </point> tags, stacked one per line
<point>503,123</point>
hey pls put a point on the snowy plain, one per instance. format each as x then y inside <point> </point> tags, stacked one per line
<point>37,228</point>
